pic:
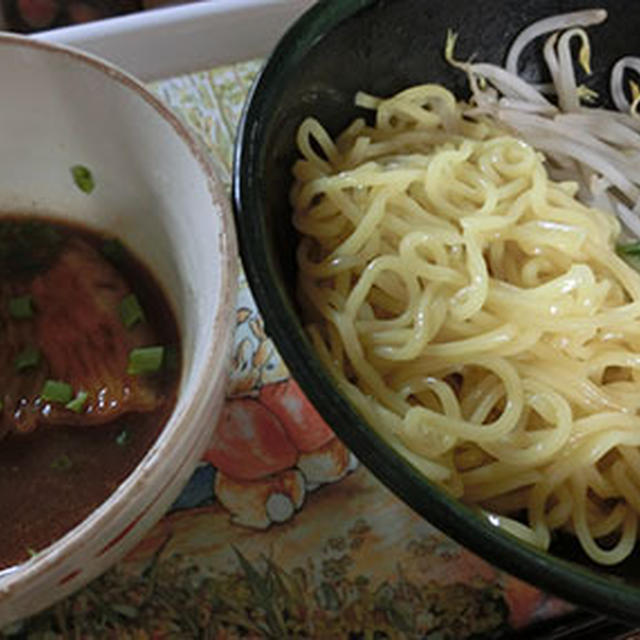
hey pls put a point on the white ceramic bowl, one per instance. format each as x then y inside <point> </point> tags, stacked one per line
<point>155,189</point>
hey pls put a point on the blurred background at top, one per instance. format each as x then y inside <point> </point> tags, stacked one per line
<point>30,16</point>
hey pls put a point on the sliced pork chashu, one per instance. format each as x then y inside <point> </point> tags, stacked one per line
<point>77,329</point>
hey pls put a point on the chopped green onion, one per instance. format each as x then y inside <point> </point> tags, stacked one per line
<point>122,438</point>
<point>27,358</point>
<point>630,253</point>
<point>62,463</point>
<point>56,391</point>
<point>171,357</point>
<point>21,307</point>
<point>629,249</point>
<point>83,178</point>
<point>32,552</point>
<point>114,250</point>
<point>145,360</point>
<point>77,404</point>
<point>130,311</point>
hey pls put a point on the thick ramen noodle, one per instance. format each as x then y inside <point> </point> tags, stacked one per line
<point>476,314</point>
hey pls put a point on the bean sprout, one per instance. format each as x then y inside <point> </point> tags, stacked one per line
<point>584,18</point>
<point>596,147</point>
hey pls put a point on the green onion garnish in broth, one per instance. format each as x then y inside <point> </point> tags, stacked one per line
<point>77,404</point>
<point>145,360</point>
<point>56,391</point>
<point>83,178</point>
<point>21,307</point>
<point>130,311</point>
<point>28,358</point>
<point>171,357</point>
<point>114,251</point>
<point>62,463</point>
<point>122,438</point>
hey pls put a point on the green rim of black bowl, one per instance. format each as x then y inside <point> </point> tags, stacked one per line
<point>567,579</point>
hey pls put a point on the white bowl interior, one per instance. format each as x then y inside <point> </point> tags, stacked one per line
<point>155,192</point>
<point>149,189</point>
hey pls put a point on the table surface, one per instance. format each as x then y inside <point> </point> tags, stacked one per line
<point>319,550</point>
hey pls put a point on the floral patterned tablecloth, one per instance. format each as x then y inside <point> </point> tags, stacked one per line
<point>290,537</point>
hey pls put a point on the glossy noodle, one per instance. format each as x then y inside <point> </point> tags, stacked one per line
<point>476,314</point>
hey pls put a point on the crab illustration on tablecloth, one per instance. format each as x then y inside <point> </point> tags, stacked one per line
<point>270,447</point>
<point>270,450</point>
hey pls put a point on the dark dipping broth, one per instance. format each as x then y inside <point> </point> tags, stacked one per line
<point>89,370</point>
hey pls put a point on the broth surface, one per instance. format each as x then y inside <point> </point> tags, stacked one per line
<point>79,415</point>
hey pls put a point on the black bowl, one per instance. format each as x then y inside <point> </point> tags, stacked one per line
<point>337,48</point>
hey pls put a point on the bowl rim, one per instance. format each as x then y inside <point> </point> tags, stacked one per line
<point>574,582</point>
<point>84,542</point>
